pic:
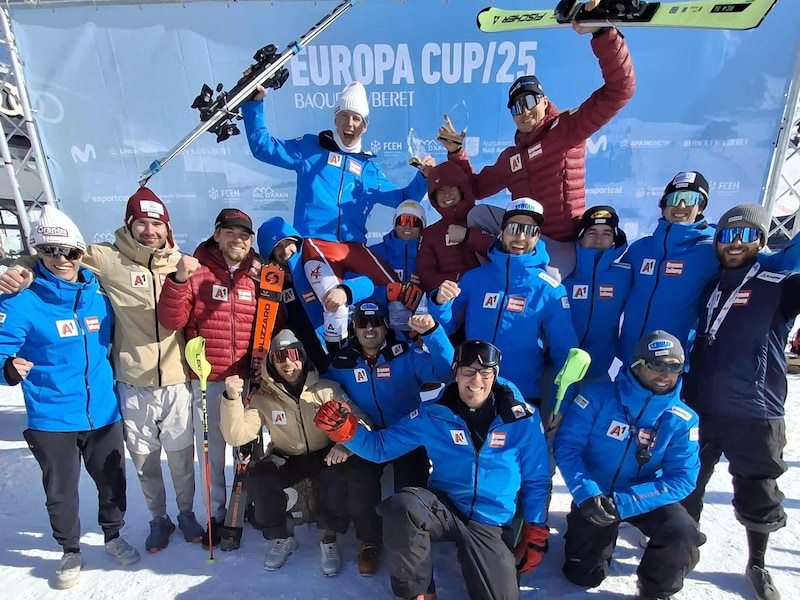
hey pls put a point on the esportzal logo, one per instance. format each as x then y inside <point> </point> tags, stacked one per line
<point>530,17</point>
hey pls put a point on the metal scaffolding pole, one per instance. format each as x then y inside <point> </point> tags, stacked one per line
<point>19,203</point>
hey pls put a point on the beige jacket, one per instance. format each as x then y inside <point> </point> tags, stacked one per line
<point>290,423</point>
<point>145,354</point>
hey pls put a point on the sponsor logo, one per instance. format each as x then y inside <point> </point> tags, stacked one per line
<point>617,430</point>
<point>215,194</point>
<point>580,292</point>
<point>92,323</point>
<point>459,437</point>
<point>245,295</point>
<point>604,190</point>
<point>309,296</point>
<point>279,417</point>
<point>490,300</point>
<point>719,143</point>
<point>497,439</point>
<point>694,434</point>
<point>335,160</point>
<point>375,147</point>
<point>267,193</point>
<point>383,372</point>
<point>596,146</point>
<point>315,273</point>
<point>52,231</point>
<point>742,298</point>
<point>83,155</point>
<point>472,145</point>
<point>680,412</point>
<point>219,293</point>
<point>413,414</point>
<point>518,411</point>
<point>545,277</point>
<point>660,345</point>
<point>771,277</point>
<point>354,167</point>
<point>515,163</point>
<point>360,375</point>
<point>673,267</point>
<point>67,328</point>
<point>647,144</point>
<point>564,302</point>
<point>581,401</point>
<point>3,317</point>
<point>606,291</point>
<point>397,349</point>
<point>515,304</point>
<point>138,279</point>
<point>535,150</point>
<point>648,266</point>
<point>287,295</point>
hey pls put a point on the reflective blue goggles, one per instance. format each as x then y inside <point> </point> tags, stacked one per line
<point>525,102</point>
<point>747,235</point>
<point>688,197</point>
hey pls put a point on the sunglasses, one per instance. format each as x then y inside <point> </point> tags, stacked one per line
<point>746,234</point>
<point>688,197</point>
<point>68,252</point>
<point>526,229</point>
<point>523,103</point>
<point>661,367</point>
<point>364,321</point>
<point>469,372</point>
<point>284,354</point>
<point>408,221</point>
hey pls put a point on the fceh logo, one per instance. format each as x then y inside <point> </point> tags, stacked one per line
<point>79,155</point>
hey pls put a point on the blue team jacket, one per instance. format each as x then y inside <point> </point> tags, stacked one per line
<point>389,390</point>
<point>596,438</point>
<point>335,190</point>
<point>597,290</point>
<point>482,483</point>
<point>401,255</point>
<point>508,302</point>
<point>65,330</point>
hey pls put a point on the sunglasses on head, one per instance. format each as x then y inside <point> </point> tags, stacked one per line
<point>688,197</point>
<point>364,321</point>
<point>658,366</point>
<point>68,252</point>
<point>526,229</point>
<point>746,234</point>
<point>408,221</point>
<point>525,102</point>
<point>284,354</point>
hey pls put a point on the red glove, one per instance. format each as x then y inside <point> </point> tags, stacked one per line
<point>335,419</point>
<point>532,544</point>
<point>408,293</point>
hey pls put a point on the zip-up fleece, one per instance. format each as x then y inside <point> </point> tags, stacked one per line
<point>64,329</point>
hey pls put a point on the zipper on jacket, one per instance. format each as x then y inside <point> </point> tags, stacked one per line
<point>655,287</point>
<point>591,302</point>
<point>86,355</point>
<point>630,435</point>
<point>375,394</point>
<point>339,201</point>
<point>233,317</point>
<point>499,307</point>
<point>300,420</point>
<point>153,276</point>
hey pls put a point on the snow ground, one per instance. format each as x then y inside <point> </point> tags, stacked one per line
<point>30,555</point>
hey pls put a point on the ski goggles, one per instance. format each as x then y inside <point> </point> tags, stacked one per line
<point>476,351</point>
<point>658,366</point>
<point>284,354</point>
<point>67,252</point>
<point>526,229</point>
<point>363,321</point>
<point>688,197</point>
<point>747,235</point>
<point>523,103</point>
<point>408,221</point>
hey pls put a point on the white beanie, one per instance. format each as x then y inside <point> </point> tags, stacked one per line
<point>409,207</point>
<point>54,227</point>
<point>354,99</point>
<point>524,206</point>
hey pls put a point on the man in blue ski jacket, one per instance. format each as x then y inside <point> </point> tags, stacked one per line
<point>628,451</point>
<point>487,450</point>
<point>598,287</point>
<point>737,382</point>
<point>672,267</point>
<point>383,375</point>
<point>54,339</point>
<point>302,310</point>
<point>510,301</point>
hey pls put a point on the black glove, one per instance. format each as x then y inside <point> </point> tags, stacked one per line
<point>600,511</point>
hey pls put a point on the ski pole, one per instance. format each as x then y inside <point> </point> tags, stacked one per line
<point>195,354</point>
<point>227,105</point>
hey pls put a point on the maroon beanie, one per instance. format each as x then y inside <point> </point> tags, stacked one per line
<point>144,204</point>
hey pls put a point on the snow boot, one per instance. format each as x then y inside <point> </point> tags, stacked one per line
<point>278,553</point>
<point>331,561</point>
<point>368,558</point>
<point>191,529</point>
<point>761,582</point>
<point>216,534</point>
<point>160,530</point>
<point>641,595</point>
<point>69,570</point>
<point>122,551</point>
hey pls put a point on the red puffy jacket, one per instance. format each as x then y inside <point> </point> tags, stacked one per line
<point>217,305</point>
<point>548,164</point>
<point>436,261</point>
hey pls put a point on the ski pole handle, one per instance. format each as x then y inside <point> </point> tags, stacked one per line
<point>574,370</point>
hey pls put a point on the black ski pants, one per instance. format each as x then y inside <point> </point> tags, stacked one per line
<point>411,469</point>
<point>414,517</point>
<point>670,554</point>
<point>59,455</point>
<point>350,490</point>
<point>754,449</point>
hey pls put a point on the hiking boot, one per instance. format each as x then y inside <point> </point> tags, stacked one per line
<point>160,530</point>
<point>761,582</point>
<point>122,551</point>
<point>216,534</point>
<point>331,561</point>
<point>191,529</point>
<point>641,595</point>
<point>279,552</point>
<point>368,558</point>
<point>69,570</point>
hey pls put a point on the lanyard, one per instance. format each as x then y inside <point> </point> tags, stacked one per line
<point>713,328</point>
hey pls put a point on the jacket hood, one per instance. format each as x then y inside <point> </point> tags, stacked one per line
<point>635,396</point>
<point>678,235</point>
<point>586,257</point>
<point>539,258</point>
<point>53,290</point>
<point>449,173</point>
<point>140,254</point>
<point>273,231</point>
<point>550,115</point>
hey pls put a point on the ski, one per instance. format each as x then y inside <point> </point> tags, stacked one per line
<point>701,14</point>
<point>216,115</point>
<point>270,287</point>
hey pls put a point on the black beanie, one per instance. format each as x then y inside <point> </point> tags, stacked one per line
<point>687,180</point>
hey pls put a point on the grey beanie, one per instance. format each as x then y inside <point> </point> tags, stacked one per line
<point>285,339</point>
<point>656,345</point>
<point>754,214</point>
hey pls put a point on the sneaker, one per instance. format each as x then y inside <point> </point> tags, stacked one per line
<point>279,552</point>
<point>761,582</point>
<point>331,561</point>
<point>216,534</point>
<point>122,551</point>
<point>368,558</point>
<point>191,529</point>
<point>69,570</point>
<point>160,530</point>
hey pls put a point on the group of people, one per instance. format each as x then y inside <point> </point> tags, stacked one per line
<point>696,315</point>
